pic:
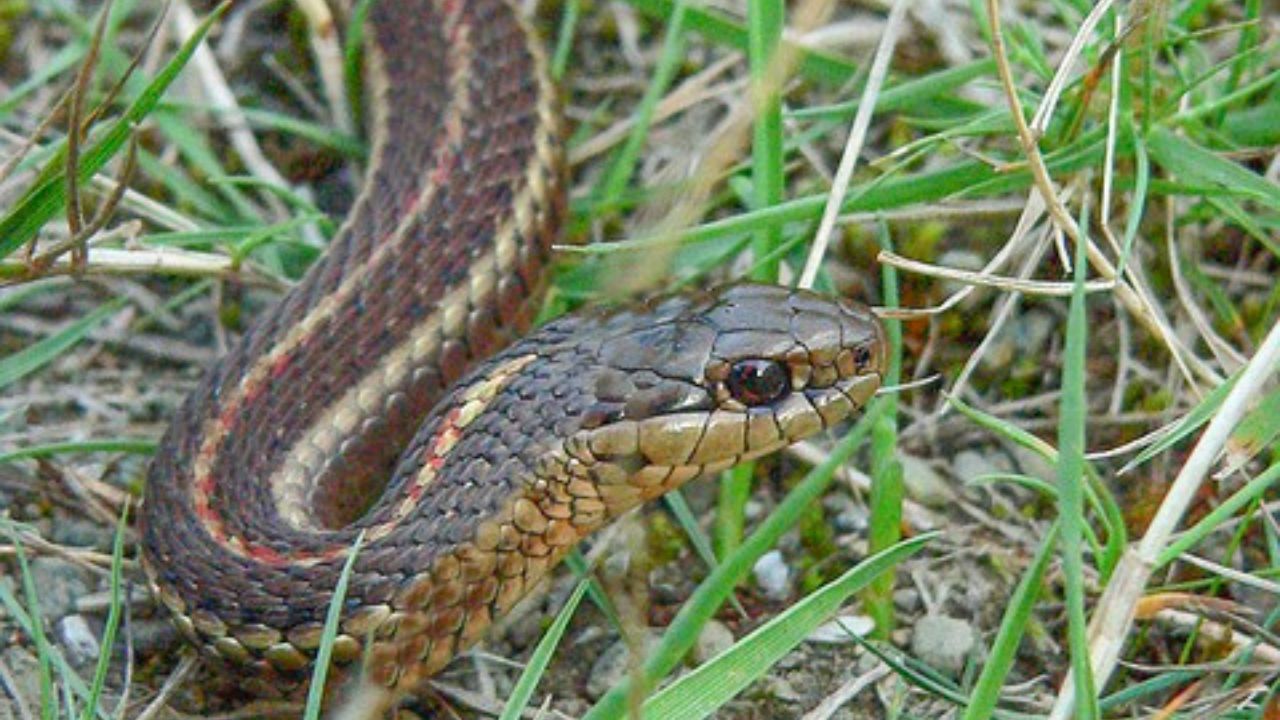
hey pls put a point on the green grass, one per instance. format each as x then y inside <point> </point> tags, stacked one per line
<point>1070,483</point>
<point>332,621</point>
<point>887,488</point>
<point>711,594</point>
<point>1161,151</point>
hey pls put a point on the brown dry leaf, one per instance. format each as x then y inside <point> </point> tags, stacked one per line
<point>1150,605</point>
<point>1177,702</point>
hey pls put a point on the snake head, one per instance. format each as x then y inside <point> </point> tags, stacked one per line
<point>688,386</point>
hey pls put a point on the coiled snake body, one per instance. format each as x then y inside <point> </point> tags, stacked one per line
<point>381,364</point>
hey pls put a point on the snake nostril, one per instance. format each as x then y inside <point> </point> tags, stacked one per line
<point>862,357</point>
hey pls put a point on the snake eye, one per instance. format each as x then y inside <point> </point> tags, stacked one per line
<point>756,381</point>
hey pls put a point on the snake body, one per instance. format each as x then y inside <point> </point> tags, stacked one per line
<point>393,395</point>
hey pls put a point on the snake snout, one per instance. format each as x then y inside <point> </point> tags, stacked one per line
<point>773,342</point>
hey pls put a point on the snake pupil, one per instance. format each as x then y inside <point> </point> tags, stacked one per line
<point>756,381</point>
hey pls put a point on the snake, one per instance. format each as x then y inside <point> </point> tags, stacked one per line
<point>391,426</point>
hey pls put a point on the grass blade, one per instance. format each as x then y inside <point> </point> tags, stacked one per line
<point>1004,649</point>
<point>887,487</point>
<point>28,360</point>
<point>315,693</point>
<point>717,681</point>
<point>713,591</point>
<point>130,446</point>
<point>1071,483</point>
<point>48,197</point>
<point>1195,164</point>
<point>765,19</point>
<point>715,27</point>
<point>1252,490</point>
<point>113,615</point>
<point>541,657</point>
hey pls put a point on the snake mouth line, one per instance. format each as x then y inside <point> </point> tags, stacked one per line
<point>655,454</point>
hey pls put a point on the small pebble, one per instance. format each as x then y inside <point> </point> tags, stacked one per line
<point>1030,463</point>
<point>665,593</point>
<point>943,642</point>
<point>1023,338</point>
<point>847,516</point>
<point>923,483</point>
<point>782,690</point>
<point>59,583</point>
<point>907,600</point>
<point>715,638</point>
<point>790,661</point>
<point>773,576</point>
<point>25,670</point>
<point>614,663</point>
<point>78,532</point>
<point>1032,330</point>
<point>841,630</point>
<point>969,465</point>
<point>852,521</point>
<point>77,638</point>
<point>590,634</point>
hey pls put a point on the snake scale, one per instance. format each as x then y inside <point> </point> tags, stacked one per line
<point>394,394</point>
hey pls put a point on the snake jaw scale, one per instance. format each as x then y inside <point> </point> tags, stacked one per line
<point>366,620</point>
<point>346,649</point>
<point>620,497</point>
<point>825,375</point>
<point>510,569</point>
<point>718,466</point>
<point>528,517</point>
<point>561,532</point>
<point>862,389</point>
<point>186,628</point>
<point>413,593</point>
<point>796,417</point>
<point>619,438</point>
<point>488,536</point>
<point>680,475</point>
<point>800,374</point>
<point>722,437</point>
<point>845,363</point>
<point>477,565</point>
<point>589,512</point>
<point>478,620</point>
<point>670,439</point>
<point>651,476</point>
<point>608,475</point>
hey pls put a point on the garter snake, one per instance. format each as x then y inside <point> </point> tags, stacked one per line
<point>394,393</point>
